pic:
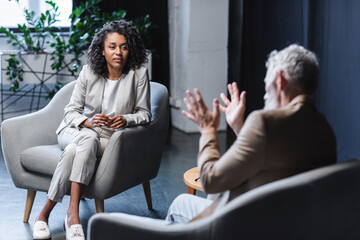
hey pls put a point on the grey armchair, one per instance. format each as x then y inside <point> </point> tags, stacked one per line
<point>131,157</point>
<point>319,204</point>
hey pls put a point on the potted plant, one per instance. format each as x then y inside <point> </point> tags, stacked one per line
<point>57,58</point>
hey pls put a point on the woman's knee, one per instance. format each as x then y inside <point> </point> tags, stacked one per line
<point>69,151</point>
<point>91,139</point>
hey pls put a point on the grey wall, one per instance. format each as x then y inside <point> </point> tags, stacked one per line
<point>198,32</point>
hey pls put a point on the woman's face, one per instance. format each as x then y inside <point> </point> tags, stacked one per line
<point>115,51</point>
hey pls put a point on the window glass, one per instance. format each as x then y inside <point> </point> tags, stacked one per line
<point>12,13</point>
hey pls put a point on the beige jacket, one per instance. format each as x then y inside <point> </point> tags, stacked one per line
<point>86,100</point>
<point>271,145</point>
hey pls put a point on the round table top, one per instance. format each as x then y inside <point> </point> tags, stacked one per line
<point>190,176</point>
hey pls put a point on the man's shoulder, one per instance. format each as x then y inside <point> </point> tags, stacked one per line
<point>269,114</point>
<point>284,117</point>
<point>298,109</point>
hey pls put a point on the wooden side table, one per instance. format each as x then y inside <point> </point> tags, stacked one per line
<point>192,180</point>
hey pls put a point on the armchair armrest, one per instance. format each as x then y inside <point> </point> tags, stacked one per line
<point>38,128</point>
<point>15,134</point>
<point>132,156</point>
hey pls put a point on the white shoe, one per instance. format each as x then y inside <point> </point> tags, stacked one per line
<point>74,232</point>
<point>41,230</point>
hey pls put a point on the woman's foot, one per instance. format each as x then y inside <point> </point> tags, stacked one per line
<point>73,231</point>
<point>41,229</point>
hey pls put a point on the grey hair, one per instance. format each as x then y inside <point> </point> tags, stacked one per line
<point>299,66</point>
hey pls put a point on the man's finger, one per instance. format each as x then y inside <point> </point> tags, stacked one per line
<point>188,115</point>
<point>230,89</point>
<point>243,97</point>
<point>189,105</point>
<point>222,108</point>
<point>225,99</point>
<point>200,99</point>
<point>216,106</point>
<point>192,99</point>
<point>235,90</point>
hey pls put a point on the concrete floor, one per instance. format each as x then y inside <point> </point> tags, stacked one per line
<point>179,155</point>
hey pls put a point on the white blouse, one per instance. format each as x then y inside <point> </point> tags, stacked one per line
<point>110,96</point>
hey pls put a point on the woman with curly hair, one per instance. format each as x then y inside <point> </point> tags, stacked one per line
<point>112,92</point>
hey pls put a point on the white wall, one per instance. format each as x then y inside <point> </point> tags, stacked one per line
<point>4,45</point>
<point>198,32</point>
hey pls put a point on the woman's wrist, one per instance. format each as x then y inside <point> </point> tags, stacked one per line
<point>85,123</point>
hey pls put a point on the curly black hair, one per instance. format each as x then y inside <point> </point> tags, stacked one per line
<point>137,52</point>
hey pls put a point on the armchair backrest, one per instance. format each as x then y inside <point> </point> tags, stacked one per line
<point>56,106</point>
<point>159,100</point>
<point>319,204</point>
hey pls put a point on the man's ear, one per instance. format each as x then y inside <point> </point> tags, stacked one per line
<point>281,81</point>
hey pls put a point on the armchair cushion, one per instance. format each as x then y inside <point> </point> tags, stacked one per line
<point>41,159</point>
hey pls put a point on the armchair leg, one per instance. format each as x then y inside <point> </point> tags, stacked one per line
<point>147,191</point>
<point>29,203</point>
<point>99,205</point>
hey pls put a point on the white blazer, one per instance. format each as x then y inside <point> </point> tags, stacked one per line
<point>86,100</point>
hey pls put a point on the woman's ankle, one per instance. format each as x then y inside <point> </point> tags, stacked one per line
<point>42,218</point>
<point>72,217</point>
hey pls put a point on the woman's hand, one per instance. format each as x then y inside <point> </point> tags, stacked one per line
<point>206,120</point>
<point>235,109</point>
<point>98,120</point>
<point>116,122</point>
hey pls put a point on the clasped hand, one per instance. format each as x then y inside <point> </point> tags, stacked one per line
<point>102,120</point>
<point>208,121</point>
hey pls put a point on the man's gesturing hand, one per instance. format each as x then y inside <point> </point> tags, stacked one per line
<point>206,120</point>
<point>235,109</point>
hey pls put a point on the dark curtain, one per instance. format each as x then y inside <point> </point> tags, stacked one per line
<point>335,36</point>
<point>330,28</point>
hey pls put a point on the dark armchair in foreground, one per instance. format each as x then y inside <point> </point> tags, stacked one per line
<point>320,204</point>
<point>132,155</point>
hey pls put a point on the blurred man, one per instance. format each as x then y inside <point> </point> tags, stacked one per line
<point>286,138</point>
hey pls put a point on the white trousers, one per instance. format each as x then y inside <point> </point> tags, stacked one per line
<point>78,160</point>
<point>185,207</point>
